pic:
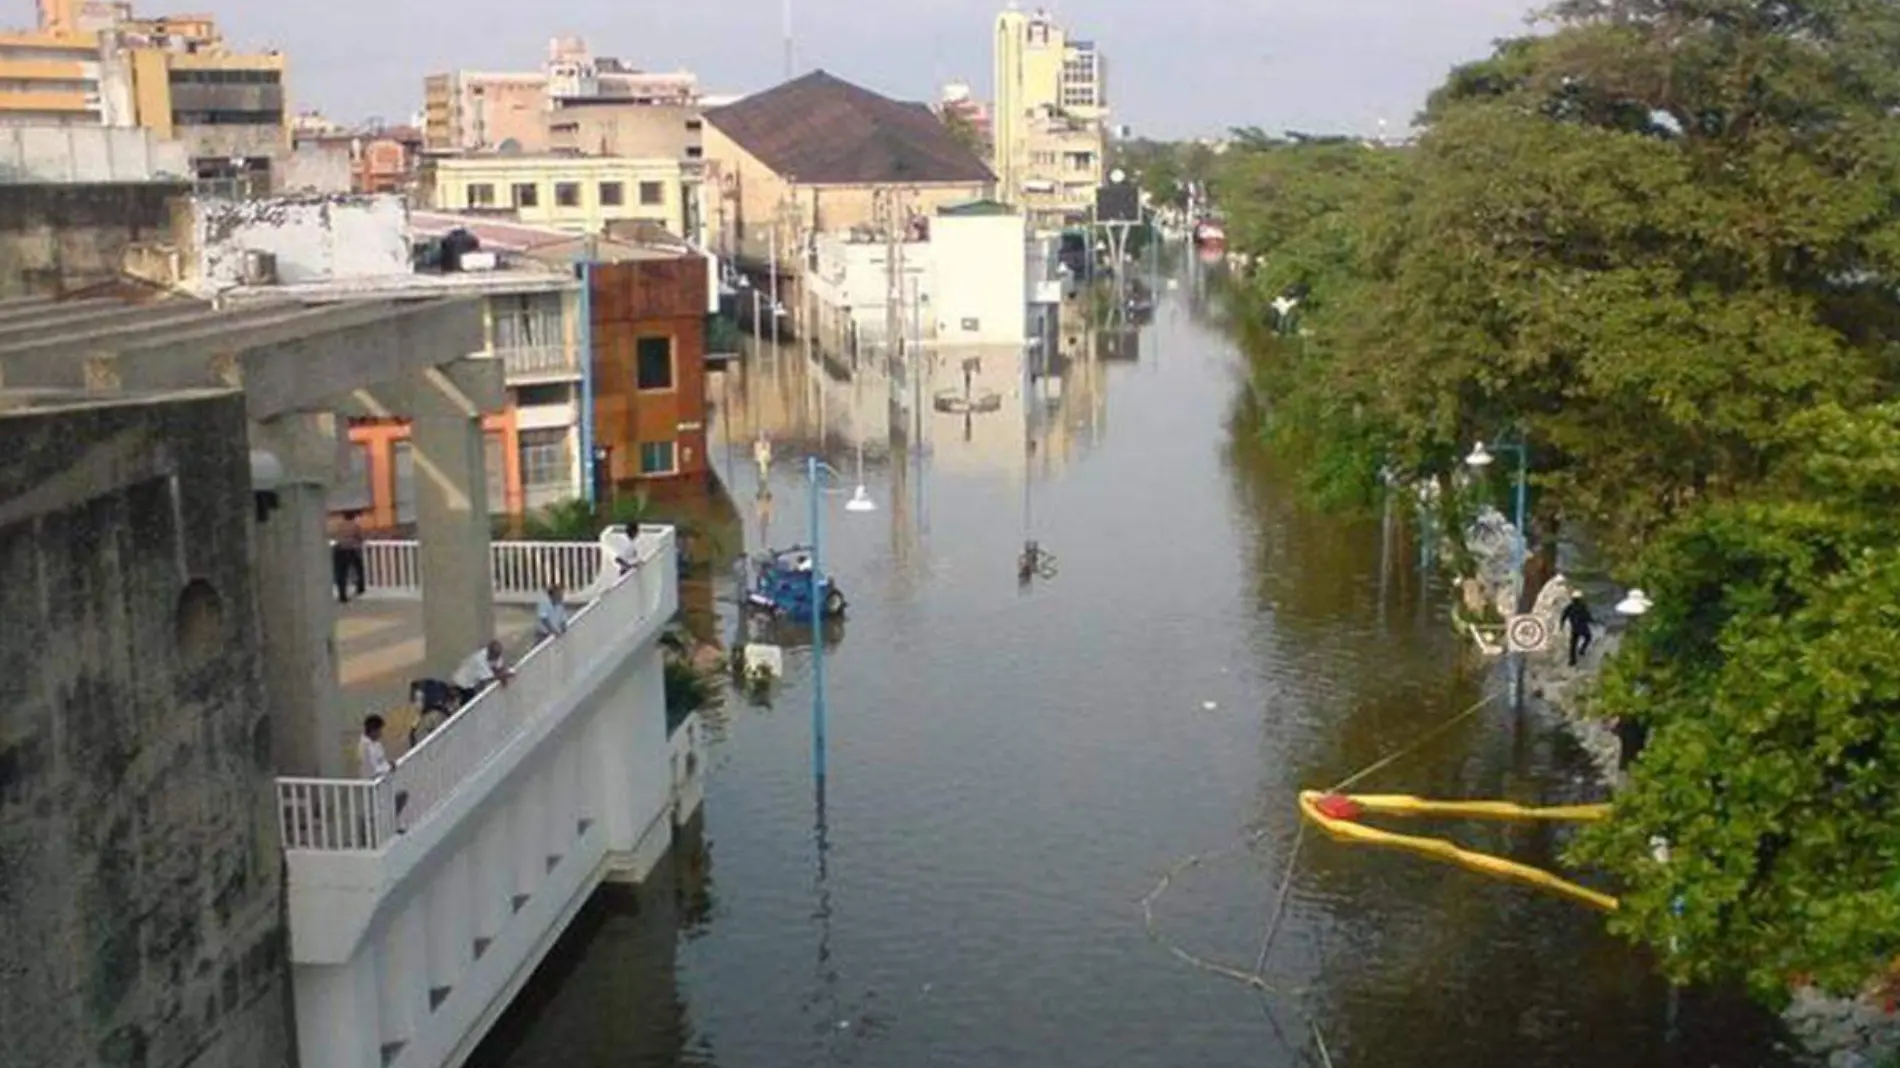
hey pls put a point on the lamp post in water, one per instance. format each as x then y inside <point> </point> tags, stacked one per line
<point>860,502</point>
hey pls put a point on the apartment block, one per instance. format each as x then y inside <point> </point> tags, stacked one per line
<point>100,64</point>
<point>467,111</point>
<point>570,191</point>
<point>1048,124</point>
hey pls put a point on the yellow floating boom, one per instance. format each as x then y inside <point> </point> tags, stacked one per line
<point>1347,828</point>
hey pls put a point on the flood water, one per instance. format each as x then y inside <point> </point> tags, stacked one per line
<point>1012,768</point>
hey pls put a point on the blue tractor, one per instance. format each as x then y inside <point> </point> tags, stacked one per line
<point>782,588</point>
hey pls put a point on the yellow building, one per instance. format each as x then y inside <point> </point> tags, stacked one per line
<point>97,64</point>
<point>1048,125</point>
<point>573,192</point>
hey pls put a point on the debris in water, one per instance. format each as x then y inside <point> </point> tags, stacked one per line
<point>1209,706</point>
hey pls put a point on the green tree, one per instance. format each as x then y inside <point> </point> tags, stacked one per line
<point>965,130</point>
<point>1769,678</point>
<point>1663,243</point>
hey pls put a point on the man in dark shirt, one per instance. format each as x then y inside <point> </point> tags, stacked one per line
<point>1578,619</point>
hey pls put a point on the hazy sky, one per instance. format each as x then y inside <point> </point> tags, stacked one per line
<point>1176,66</point>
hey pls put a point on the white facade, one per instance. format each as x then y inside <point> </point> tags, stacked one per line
<point>968,284</point>
<point>979,279</point>
<point>313,238</point>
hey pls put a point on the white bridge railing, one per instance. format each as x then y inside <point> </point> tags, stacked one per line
<point>520,570</point>
<point>364,814</point>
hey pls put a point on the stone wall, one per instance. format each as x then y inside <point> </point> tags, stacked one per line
<point>62,237</point>
<point>140,875</point>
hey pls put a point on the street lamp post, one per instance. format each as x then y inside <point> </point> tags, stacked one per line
<point>860,502</point>
<point>1480,458</point>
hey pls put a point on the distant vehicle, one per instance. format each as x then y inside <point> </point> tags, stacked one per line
<point>782,587</point>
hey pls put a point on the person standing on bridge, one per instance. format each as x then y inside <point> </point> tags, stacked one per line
<point>1578,619</point>
<point>346,556</point>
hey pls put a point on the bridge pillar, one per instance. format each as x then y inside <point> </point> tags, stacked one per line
<point>446,405</point>
<point>310,730</point>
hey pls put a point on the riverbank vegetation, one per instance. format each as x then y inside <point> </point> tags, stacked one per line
<point>1659,243</point>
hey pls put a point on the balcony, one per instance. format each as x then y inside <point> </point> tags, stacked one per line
<point>527,364</point>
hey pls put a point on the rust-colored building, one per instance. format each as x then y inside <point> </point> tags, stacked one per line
<point>649,333</point>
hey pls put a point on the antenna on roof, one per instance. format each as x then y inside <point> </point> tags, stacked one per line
<point>790,67</point>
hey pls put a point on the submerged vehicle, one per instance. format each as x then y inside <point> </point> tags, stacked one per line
<point>781,587</point>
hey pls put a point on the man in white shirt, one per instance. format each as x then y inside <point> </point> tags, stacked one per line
<point>483,666</point>
<point>550,613</point>
<point>619,545</point>
<point>372,762</point>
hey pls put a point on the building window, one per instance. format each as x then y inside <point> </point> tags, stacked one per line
<point>655,358</point>
<point>544,459</point>
<point>567,194</point>
<point>229,117</point>
<point>612,194</point>
<point>495,460</point>
<point>652,193</point>
<point>695,152</point>
<point>354,491</point>
<point>527,195</point>
<point>656,458</point>
<point>403,472</point>
<point>481,195</point>
<point>694,124</point>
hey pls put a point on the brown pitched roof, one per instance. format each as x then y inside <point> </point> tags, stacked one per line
<point>821,130</point>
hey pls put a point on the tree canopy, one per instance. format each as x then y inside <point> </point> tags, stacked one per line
<point>1659,243</point>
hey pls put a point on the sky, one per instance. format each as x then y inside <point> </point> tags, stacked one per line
<point>1176,67</point>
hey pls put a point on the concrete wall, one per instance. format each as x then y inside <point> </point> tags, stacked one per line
<point>314,237</point>
<point>980,295</point>
<point>88,154</point>
<point>62,237</point>
<point>640,131</point>
<point>321,167</point>
<point>140,878</point>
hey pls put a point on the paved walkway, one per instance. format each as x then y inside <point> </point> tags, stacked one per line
<point>379,649</point>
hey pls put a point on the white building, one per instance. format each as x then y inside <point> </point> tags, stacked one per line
<point>963,279</point>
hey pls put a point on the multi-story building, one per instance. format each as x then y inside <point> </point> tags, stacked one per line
<point>1050,107</point>
<point>571,191</point>
<point>98,64</point>
<point>62,79</point>
<point>476,110</point>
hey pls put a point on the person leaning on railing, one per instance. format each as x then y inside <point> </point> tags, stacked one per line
<point>550,613</point>
<point>484,667</point>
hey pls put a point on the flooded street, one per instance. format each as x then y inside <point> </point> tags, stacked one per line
<point>1012,768</point>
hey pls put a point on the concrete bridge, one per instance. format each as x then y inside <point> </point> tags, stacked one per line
<point>421,901</point>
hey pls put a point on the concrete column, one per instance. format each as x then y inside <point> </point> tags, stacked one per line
<point>451,920</point>
<point>297,601</point>
<point>337,1013</point>
<point>458,604</point>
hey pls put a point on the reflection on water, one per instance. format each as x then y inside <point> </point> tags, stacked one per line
<point>1009,774</point>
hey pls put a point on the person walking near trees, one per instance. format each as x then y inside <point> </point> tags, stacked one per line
<point>1578,619</point>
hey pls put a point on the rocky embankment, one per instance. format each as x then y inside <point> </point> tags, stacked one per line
<point>1838,1032</point>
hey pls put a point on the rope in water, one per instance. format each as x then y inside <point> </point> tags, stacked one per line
<point>1256,979</point>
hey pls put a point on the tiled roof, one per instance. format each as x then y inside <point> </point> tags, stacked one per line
<point>822,130</point>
